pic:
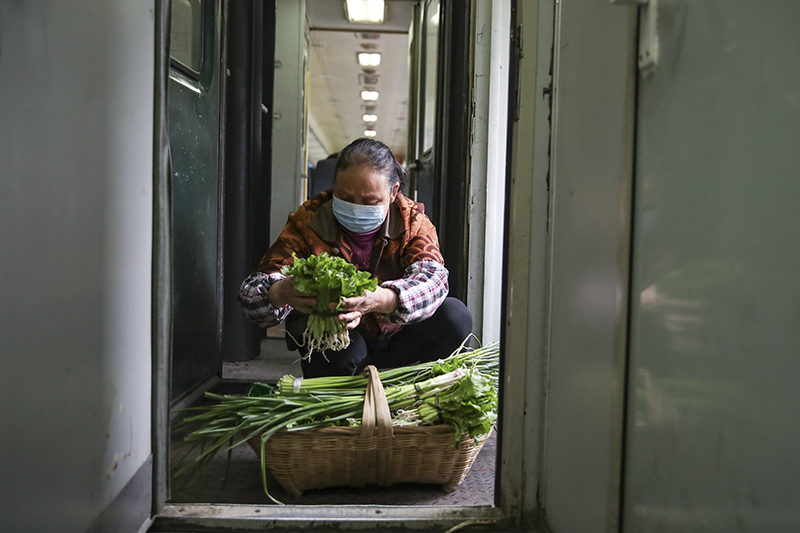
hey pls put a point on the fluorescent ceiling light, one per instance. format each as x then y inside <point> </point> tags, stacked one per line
<point>365,11</point>
<point>369,95</point>
<point>370,118</point>
<point>370,133</point>
<point>369,59</point>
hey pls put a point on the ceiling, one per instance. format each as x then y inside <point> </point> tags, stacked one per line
<point>336,79</point>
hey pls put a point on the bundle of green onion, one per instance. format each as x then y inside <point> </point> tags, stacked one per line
<point>333,279</point>
<point>459,391</point>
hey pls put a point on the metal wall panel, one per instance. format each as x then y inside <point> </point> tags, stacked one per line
<point>712,427</point>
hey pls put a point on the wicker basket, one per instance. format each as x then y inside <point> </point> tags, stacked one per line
<point>375,453</point>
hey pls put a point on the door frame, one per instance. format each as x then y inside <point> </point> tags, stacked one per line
<point>215,517</point>
<point>162,263</point>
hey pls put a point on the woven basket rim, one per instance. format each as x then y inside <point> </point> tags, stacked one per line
<point>437,429</point>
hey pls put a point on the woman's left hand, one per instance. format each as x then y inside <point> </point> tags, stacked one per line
<point>353,309</point>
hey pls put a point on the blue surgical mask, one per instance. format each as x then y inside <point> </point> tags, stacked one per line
<point>358,218</point>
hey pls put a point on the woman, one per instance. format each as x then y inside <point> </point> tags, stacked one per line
<point>366,220</point>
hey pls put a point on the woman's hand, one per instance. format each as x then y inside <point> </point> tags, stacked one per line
<point>381,301</point>
<point>283,293</point>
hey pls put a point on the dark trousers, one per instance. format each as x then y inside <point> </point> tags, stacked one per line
<point>428,340</point>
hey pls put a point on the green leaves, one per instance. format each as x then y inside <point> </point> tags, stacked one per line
<point>469,406</point>
<point>333,275</point>
<point>333,279</point>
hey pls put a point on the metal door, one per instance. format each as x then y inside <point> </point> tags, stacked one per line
<point>712,434</point>
<point>194,133</point>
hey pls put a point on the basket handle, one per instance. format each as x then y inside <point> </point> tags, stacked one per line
<point>376,413</point>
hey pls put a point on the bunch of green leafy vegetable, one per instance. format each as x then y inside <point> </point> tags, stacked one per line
<point>469,406</point>
<point>334,279</point>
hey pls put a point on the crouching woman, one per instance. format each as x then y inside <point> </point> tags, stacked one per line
<point>366,220</point>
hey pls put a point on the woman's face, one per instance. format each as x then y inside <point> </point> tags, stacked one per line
<point>364,186</point>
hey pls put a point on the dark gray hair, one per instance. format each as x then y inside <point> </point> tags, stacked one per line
<point>377,156</point>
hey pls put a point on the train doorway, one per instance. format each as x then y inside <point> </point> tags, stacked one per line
<point>438,150</point>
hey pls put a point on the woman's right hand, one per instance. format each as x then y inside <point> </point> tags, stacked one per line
<point>283,293</point>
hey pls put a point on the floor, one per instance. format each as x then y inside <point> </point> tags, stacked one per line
<point>240,481</point>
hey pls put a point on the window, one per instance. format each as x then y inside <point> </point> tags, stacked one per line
<point>431,59</point>
<point>186,43</point>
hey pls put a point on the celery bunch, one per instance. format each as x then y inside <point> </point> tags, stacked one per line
<point>334,279</point>
<point>469,406</point>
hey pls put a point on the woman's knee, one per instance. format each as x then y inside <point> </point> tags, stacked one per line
<point>454,316</point>
<point>451,323</point>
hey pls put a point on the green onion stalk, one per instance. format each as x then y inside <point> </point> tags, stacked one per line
<point>486,359</point>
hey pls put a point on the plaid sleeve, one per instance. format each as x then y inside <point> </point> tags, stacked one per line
<point>421,291</point>
<point>254,297</point>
